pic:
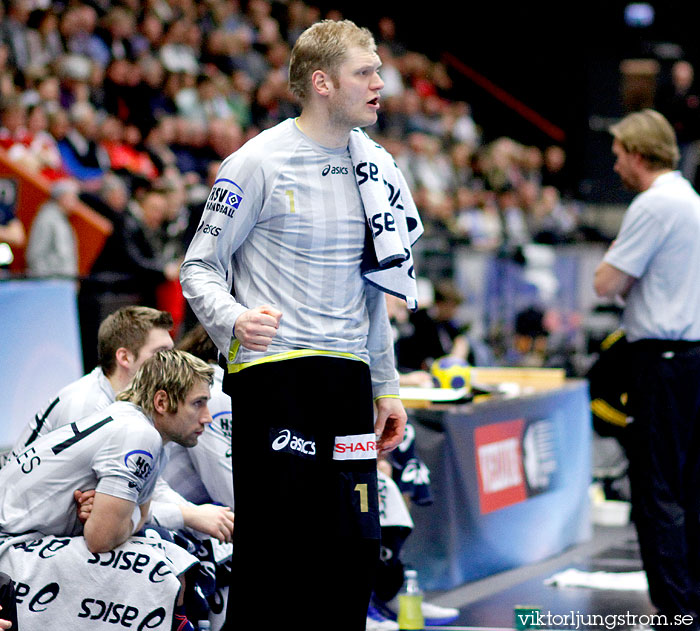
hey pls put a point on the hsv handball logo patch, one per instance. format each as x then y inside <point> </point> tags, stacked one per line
<point>140,463</point>
<point>225,197</point>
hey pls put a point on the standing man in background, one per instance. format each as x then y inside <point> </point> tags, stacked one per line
<point>304,227</point>
<point>653,264</point>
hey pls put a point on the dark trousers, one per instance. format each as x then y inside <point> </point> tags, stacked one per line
<point>306,536</point>
<point>663,448</point>
<point>7,601</point>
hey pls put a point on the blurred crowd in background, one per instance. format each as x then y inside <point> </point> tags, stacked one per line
<point>131,107</point>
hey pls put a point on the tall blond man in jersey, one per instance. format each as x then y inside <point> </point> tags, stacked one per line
<point>653,264</point>
<point>274,274</point>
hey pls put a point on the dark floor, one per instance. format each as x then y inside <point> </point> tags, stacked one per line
<point>490,603</point>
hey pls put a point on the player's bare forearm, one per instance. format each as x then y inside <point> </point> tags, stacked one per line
<point>109,523</point>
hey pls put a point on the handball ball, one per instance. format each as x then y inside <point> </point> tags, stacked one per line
<point>450,372</point>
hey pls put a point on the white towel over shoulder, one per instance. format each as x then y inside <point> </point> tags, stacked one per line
<point>392,218</point>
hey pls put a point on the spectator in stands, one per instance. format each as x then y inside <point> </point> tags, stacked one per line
<point>176,53</point>
<point>44,39</point>
<point>158,143</point>
<point>225,136</point>
<point>515,230</point>
<point>12,232</point>
<point>550,220</point>
<point>150,104</point>
<point>433,331</point>
<point>391,73</point>
<point>679,101</point>
<point>140,258</point>
<point>530,339</point>
<point>553,170</point>
<point>149,33</point>
<point>117,30</point>
<point>122,145</point>
<point>82,155</point>
<point>43,146</point>
<point>52,248</point>
<point>77,27</point>
<point>190,147</point>
<point>15,31</point>
<point>386,36</point>
<point>460,161</point>
<point>478,219</point>
<point>273,103</point>
<point>458,126</point>
<point>240,97</point>
<point>120,95</point>
<point>14,136</point>
<point>429,167</point>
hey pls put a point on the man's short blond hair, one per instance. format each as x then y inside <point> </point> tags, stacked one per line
<point>323,46</point>
<point>650,135</point>
<point>173,371</point>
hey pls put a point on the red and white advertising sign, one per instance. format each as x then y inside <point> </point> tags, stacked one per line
<point>499,465</point>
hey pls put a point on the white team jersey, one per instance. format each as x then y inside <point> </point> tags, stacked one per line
<point>88,394</point>
<point>116,451</point>
<point>91,393</point>
<point>285,218</point>
<point>202,473</point>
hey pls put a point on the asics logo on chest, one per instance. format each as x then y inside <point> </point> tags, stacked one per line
<point>334,170</point>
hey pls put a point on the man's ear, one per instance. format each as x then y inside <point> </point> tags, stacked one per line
<point>321,82</point>
<point>123,356</point>
<point>160,402</point>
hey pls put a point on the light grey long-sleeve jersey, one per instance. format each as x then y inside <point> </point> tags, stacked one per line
<point>284,226</point>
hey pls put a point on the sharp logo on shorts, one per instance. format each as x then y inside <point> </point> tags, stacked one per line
<point>331,170</point>
<point>355,447</point>
<point>284,440</point>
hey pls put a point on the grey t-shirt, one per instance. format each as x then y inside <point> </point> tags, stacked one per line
<point>659,245</point>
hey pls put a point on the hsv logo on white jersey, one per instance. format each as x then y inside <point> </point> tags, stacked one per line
<point>355,447</point>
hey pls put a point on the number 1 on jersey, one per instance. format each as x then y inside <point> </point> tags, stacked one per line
<point>364,501</point>
<point>290,197</point>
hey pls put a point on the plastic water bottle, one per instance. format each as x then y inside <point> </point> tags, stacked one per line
<point>410,601</point>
